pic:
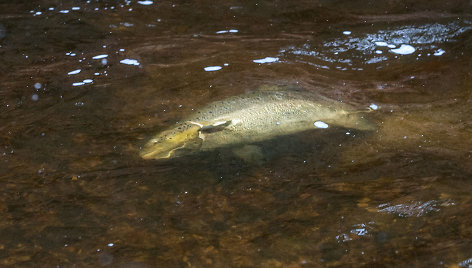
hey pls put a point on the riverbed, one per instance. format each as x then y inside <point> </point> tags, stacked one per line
<point>85,84</point>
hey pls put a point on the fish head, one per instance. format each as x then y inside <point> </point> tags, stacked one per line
<point>173,142</point>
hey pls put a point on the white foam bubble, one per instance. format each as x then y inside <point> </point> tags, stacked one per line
<point>102,56</point>
<point>320,124</point>
<point>233,31</point>
<point>130,62</point>
<point>74,72</point>
<point>403,50</point>
<point>75,8</point>
<point>439,52</point>
<point>222,32</point>
<point>145,3</point>
<point>127,24</point>
<point>88,81</point>
<point>35,97</point>
<point>78,84</point>
<point>381,44</point>
<point>212,68</point>
<point>347,32</point>
<point>37,86</point>
<point>391,46</point>
<point>64,11</point>
<point>374,106</point>
<point>266,60</point>
<point>378,52</point>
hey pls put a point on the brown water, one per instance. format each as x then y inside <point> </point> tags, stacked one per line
<point>74,192</point>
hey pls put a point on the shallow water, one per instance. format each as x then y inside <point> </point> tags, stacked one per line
<point>84,84</point>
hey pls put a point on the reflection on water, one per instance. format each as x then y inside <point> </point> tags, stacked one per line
<point>353,51</point>
<point>413,209</point>
<point>84,85</point>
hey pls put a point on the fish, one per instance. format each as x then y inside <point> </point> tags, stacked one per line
<point>253,117</point>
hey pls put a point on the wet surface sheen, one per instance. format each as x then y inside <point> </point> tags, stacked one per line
<point>84,84</point>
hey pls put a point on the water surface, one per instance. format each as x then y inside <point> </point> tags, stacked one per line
<point>84,84</point>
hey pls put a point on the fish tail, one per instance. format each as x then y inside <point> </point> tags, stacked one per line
<point>359,121</point>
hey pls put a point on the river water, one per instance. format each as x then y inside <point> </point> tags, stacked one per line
<point>84,84</point>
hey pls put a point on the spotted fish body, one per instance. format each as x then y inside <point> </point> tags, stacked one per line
<point>250,118</point>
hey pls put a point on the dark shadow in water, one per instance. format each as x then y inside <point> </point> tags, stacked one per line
<point>318,149</point>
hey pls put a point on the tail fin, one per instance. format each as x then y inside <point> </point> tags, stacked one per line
<point>358,120</point>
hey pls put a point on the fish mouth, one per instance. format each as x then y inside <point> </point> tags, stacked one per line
<point>155,150</point>
<point>159,154</point>
<point>165,151</point>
